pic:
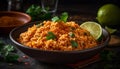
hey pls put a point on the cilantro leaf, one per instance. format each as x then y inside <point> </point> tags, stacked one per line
<point>72,34</point>
<point>74,43</point>
<point>6,52</point>
<point>36,12</point>
<point>56,18</point>
<point>11,57</point>
<point>63,17</point>
<point>50,36</point>
<point>6,49</point>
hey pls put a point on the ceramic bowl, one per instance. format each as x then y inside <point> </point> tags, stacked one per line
<point>57,57</point>
<point>12,19</point>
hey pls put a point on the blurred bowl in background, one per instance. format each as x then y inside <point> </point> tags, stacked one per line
<point>12,19</point>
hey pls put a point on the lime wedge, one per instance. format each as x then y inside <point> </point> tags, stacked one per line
<point>110,30</point>
<point>94,28</point>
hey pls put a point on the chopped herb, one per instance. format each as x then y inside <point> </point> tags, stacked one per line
<point>50,36</point>
<point>56,18</point>
<point>36,12</point>
<point>63,17</point>
<point>6,51</point>
<point>74,43</point>
<point>72,34</point>
<point>12,57</point>
<point>1,45</point>
<point>107,55</point>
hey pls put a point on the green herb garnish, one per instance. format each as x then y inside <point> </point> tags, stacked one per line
<point>6,51</point>
<point>12,57</point>
<point>107,55</point>
<point>50,36</point>
<point>63,17</point>
<point>72,34</point>
<point>1,45</point>
<point>74,43</point>
<point>56,18</point>
<point>36,12</point>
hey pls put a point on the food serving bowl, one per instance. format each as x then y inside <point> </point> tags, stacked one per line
<point>57,57</point>
<point>12,19</point>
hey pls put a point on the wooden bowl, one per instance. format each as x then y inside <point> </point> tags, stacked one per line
<point>12,19</point>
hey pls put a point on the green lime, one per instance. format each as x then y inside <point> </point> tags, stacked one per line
<point>94,28</point>
<point>110,30</point>
<point>109,14</point>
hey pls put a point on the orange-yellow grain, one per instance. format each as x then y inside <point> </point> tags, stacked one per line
<point>35,37</point>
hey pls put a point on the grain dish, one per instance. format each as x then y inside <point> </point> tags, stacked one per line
<point>61,36</point>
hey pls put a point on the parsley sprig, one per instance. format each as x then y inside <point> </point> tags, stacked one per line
<point>62,17</point>
<point>74,43</point>
<point>50,35</point>
<point>6,52</point>
<point>36,12</point>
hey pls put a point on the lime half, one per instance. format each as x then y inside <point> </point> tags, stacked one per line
<point>94,28</point>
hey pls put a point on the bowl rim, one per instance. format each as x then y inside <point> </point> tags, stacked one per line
<point>19,13</point>
<point>74,51</point>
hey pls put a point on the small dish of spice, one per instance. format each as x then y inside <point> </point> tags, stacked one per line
<point>12,19</point>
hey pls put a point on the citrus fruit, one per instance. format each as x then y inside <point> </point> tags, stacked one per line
<point>94,28</point>
<point>110,30</point>
<point>108,14</point>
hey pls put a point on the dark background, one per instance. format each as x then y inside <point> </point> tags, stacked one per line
<point>97,3</point>
<point>76,8</point>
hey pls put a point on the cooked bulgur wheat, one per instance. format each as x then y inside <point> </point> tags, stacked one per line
<point>35,37</point>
